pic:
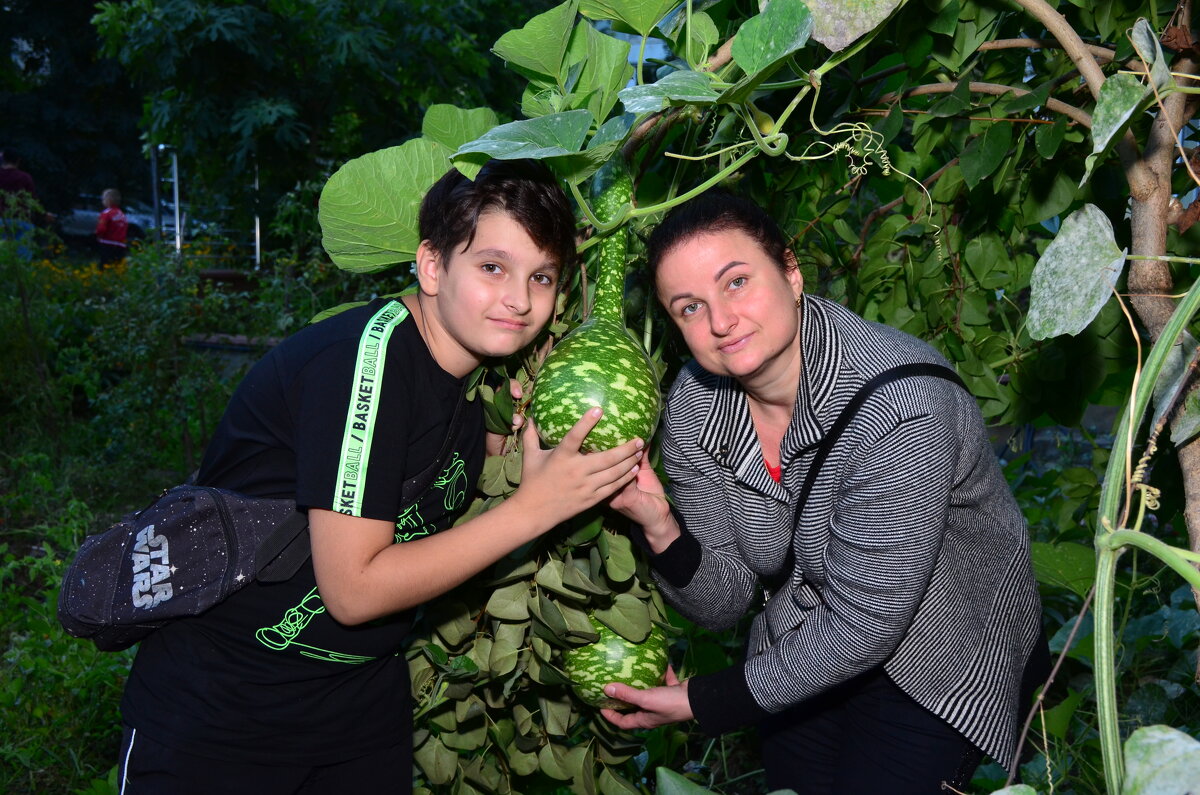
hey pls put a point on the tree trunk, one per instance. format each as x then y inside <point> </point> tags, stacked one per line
<point>1150,283</point>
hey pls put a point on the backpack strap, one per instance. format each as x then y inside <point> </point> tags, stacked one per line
<point>835,431</point>
<point>282,553</point>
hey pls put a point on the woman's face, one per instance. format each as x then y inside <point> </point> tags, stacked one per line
<point>735,306</point>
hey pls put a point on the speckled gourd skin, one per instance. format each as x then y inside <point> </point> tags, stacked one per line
<point>600,363</point>
<point>615,659</point>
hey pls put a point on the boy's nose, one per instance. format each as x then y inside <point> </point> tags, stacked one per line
<point>517,300</point>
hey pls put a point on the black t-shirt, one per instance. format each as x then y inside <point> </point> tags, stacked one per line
<point>340,416</point>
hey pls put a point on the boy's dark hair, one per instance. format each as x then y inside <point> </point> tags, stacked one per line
<point>716,210</point>
<point>525,189</point>
<point>10,157</point>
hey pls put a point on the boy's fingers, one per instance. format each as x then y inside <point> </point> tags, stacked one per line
<point>573,439</point>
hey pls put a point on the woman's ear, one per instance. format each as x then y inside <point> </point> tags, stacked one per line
<point>792,271</point>
<point>428,268</point>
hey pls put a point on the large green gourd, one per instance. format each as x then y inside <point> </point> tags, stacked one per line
<point>600,363</point>
<point>614,659</point>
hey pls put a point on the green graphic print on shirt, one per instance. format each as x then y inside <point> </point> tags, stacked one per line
<point>452,482</point>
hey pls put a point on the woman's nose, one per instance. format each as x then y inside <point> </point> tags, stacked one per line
<point>721,320</point>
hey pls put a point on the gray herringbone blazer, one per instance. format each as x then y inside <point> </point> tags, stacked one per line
<point>911,554</point>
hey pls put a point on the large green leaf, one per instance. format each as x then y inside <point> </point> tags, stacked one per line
<point>539,46</point>
<point>1149,49</point>
<point>540,138</point>
<point>1057,719</point>
<point>671,783</point>
<point>681,86</point>
<point>452,127</point>
<point>629,617</point>
<point>577,167</point>
<point>985,152</point>
<point>368,211</point>
<point>766,39</point>
<point>1120,96</point>
<point>640,15</point>
<point>605,69</point>
<point>1048,197</point>
<point>839,22</point>
<point>1075,275</point>
<point>694,44</point>
<point>1160,760</point>
<point>1064,565</point>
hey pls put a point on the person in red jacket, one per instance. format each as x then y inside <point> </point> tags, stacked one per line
<point>111,228</point>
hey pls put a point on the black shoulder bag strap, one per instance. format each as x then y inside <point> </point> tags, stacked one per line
<point>282,553</point>
<point>851,408</point>
<point>843,419</point>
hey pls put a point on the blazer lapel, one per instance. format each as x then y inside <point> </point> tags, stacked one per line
<point>728,436</point>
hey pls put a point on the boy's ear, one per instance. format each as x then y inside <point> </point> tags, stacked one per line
<point>428,268</point>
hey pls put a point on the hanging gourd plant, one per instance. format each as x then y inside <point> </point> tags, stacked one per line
<point>600,363</point>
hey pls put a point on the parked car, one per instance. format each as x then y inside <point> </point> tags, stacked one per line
<point>79,223</point>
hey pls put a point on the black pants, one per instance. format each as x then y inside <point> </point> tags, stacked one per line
<point>110,253</point>
<point>865,737</point>
<point>149,768</point>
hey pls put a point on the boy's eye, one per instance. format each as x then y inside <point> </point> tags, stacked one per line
<point>543,279</point>
<point>491,267</point>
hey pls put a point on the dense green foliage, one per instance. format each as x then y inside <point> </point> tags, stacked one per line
<point>114,380</point>
<point>269,93</point>
<point>71,114</point>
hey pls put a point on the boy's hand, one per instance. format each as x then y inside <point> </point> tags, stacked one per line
<point>564,481</point>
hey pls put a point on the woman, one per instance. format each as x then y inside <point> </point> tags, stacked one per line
<point>901,612</point>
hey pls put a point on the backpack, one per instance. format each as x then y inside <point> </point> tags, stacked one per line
<point>187,551</point>
<point>183,553</point>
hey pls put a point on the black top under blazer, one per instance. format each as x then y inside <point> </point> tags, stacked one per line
<point>911,554</point>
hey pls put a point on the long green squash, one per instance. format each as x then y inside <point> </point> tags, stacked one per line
<point>600,363</point>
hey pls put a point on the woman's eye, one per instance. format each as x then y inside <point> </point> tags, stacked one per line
<point>689,309</point>
<point>738,283</point>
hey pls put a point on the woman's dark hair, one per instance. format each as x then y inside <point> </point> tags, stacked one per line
<point>525,189</point>
<point>716,210</point>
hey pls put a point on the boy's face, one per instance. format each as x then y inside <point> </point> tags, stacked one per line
<point>491,299</point>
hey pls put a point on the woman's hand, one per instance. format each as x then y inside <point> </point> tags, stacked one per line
<point>644,502</point>
<point>563,481</point>
<point>656,706</point>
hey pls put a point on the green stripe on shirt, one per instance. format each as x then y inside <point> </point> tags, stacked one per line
<point>364,406</point>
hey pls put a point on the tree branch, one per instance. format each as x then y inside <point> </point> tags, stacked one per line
<point>1075,48</point>
<point>1102,54</point>
<point>995,89</point>
<point>1140,182</point>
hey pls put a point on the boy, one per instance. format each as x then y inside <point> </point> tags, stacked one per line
<point>298,686</point>
<point>111,228</point>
